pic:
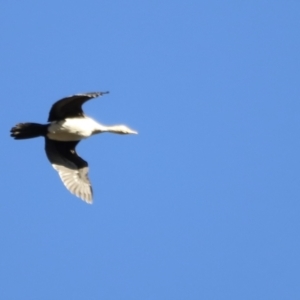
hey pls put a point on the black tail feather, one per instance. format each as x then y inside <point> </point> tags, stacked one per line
<point>28,131</point>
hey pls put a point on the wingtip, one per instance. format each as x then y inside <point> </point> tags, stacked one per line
<point>101,93</point>
<point>91,94</point>
<point>89,201</point>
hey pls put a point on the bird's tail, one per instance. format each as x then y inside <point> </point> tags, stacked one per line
<point>28,131</point>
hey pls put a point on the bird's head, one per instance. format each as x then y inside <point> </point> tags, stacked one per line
<point>122,129</point>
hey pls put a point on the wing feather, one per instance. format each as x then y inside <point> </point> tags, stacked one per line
<point>71,106</point>
<point>72,169</point>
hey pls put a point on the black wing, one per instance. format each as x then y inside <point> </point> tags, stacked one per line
<point>71,106</point>
<point>72,169</point>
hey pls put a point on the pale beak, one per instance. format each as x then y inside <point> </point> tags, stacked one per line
<point>132,131</point>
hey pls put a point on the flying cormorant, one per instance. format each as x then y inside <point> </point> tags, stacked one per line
<point>66,128</point>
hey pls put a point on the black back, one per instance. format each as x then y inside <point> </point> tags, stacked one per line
<point>56,151</point>
<point>71,106</point>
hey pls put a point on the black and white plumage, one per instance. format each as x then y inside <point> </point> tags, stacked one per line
<point>66,128</point>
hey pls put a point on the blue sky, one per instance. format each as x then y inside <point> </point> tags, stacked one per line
<point>204,202</point>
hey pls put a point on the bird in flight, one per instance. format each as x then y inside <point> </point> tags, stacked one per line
<point>67,126</point>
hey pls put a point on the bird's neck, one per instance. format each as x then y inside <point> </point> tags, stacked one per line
<point>111,129</point>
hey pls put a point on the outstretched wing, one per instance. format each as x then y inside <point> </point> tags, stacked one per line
<point>71,106</point>
<point>72,169</point>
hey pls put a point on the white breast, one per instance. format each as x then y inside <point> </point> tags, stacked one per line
<point>73,129</point>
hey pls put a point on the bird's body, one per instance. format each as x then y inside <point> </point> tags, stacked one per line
<point>73,129</point>
<point>66,128</point>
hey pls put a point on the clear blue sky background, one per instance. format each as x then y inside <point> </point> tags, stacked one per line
<point>205,202</point>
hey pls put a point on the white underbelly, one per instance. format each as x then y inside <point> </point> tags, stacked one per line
<point>64,136</point>
<point>71,129</point>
